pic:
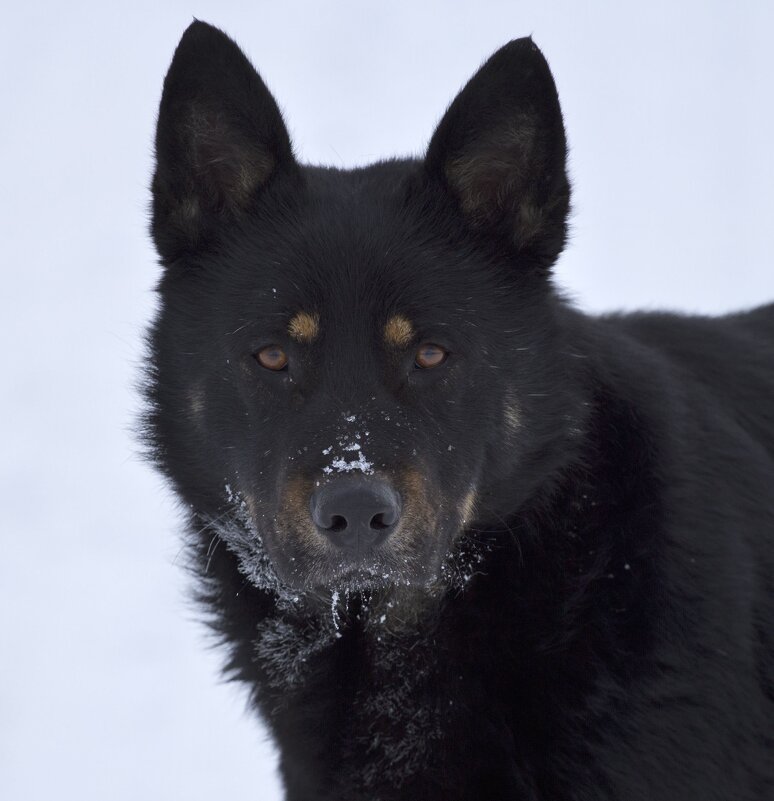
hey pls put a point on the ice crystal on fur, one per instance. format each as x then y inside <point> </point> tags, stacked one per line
<point>238,531</point>
<point>287,648</point>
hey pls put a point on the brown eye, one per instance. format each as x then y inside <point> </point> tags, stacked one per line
<point>272,357</point>
<point>430,355</point>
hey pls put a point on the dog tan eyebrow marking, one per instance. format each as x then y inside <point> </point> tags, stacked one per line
<point>304,326</point>
<point>398,332</point>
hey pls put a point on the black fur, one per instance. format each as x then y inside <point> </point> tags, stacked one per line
<point>598,624</point>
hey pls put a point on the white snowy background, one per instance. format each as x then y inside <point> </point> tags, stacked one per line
<point>108,690</point>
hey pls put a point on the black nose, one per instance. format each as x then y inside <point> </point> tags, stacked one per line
<point>356,513</point>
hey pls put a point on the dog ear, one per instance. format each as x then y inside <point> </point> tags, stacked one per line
<point>220,140</point>
<point>500,150</point>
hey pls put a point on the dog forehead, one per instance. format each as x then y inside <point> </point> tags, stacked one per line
<point>355,254</point>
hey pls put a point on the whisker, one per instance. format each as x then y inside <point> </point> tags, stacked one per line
<point>211,551</point>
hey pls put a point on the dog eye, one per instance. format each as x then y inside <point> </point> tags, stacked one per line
<point>272,357</point>
<point>430,355</point>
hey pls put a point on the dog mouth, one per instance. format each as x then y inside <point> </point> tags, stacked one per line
<point>292,551</point>
<point>370,572</point>
<point>366,576</point>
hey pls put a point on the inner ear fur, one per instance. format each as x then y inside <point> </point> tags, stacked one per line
<point>501,151</point>
<point>220,139</point>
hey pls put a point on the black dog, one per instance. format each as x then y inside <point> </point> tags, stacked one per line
<point>460,540</point>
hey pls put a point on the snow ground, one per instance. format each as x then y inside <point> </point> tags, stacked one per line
<point>107,688</point>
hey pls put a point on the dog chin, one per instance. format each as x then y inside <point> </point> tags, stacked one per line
<point>368,577</point>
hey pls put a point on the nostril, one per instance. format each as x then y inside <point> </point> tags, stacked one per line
<point>378,522</point>
<point>338,523</point>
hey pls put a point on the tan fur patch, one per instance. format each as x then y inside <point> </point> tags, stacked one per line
<point>512,412</point>
<point>235,165</point>
<point>295,515</point>
<point>496,176</point>
<point>304,327</point>
<point>467,510</point>
<point>196,403</point>
<point>398,332</point>
<point>418,516</point>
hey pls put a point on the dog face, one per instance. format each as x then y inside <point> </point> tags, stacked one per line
<point>343,360</point>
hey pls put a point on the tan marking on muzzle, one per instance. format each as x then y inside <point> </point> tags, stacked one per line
<point>304,326</point>
<point>294,511</point>
<point>418,515</point>
<point>398,332</point>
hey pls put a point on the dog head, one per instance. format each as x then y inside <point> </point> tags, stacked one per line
<point>349,368</point>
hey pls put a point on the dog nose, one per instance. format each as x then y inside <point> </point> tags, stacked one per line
<point>352,512</point>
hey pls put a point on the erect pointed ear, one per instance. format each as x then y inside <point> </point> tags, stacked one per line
<point>500,150</point>
<point>220,140</point>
